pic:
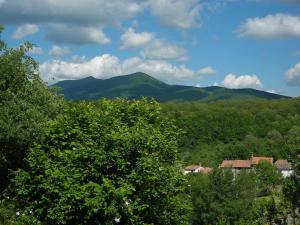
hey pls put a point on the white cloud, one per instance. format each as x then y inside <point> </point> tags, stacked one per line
<point>60,33</point>
<point>59,51</point>
<point>207,71</point>
<point>2,2</point>
<point>163,50</point>
<point>130,39</point>
<point>36,50</point>
<point>25,30</point>
<point>78,59</point>
<point>76,12</point>
<point>243,81</point>
<point>176,13</point>
<point>106,66</point>
<point>293,75</point>
<point>276,26</point>
<point>272,91</point>
<point>153,47</point>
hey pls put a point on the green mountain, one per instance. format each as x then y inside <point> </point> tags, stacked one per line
<point>137,85</point>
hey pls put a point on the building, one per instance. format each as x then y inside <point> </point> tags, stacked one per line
<point>256,160</point>
<point>192,169</point>
<point>197,169</point>
<point>284,167</point>
<point>206,170</point>
<point>236,165</point>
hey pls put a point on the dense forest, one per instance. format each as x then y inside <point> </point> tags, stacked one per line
<point>120,161</point>
<point>221,130</point>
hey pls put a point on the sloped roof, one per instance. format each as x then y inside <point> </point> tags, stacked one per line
<point>206,170</point>
<point>236,164</point>
<point>257,160</point>
<point>192,167</point>
<point>283,164</point>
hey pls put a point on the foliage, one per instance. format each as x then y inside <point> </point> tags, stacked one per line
<point>25,104</point>
<point>111,163</point>
<point>236,129</point>
<point>10,216</point>
<point>268,176</point>
<point>220,198</point>
<point>234,199</point>
<point>292,185</point>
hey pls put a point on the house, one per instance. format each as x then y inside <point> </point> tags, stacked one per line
<point>256,160</point>
<point>197,169</point>
<point>284,167</point>
<point>192,169</point>
<point>236,165</point>
<point>206,170</point>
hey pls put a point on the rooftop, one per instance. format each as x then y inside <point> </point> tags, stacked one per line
<point>257,160</point>
<point>236,164</point>
<point>283,164</point>
<point>206,170</point>
<point>192,167</point>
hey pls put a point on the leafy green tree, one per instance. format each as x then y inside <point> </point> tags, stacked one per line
<point>9,215</point>
<point>221,197</point>
<point>114,163</point>
<point>268,176</point>
<point>291,187</point>
<point>26,104</point>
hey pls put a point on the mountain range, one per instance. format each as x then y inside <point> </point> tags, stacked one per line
<point>137,85</point>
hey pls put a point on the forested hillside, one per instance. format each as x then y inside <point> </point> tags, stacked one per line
<point>139,85</point>
<point>236,129</point>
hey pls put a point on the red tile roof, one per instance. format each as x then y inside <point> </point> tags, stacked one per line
<point>257,160</point>
<point>206,170</point>
<point>192,167</point>
<point>239,164</point>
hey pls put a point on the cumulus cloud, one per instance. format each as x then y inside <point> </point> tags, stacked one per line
<point>98,12</point>
<point>293,75</point>
<point>76,12</point>
<point>60,33</point>
<point>163,50</point>
<point>36,50</point>
<point>207,71</point>
<point>59,51</point>
<point>25,30</point>
<point>276,26</point>
<point>153,47</point>
<point>130,39</point>
<point>244,81</point>
<point>106,66</point>
<point>176,13</point>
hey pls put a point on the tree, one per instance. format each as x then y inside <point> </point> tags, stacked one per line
<point>26,104</point>
<point>268,176</point>
<point>221,197</point>
<point>291,188</point>
<point>114,163</point>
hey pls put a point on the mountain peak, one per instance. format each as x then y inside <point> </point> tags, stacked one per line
<point>139,84</point>
<point>89,78</point>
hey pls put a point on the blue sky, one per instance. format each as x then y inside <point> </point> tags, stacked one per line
<point>231,43</point>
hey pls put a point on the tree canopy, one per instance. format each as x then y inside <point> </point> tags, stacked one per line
<point>26,104</point>
<point>114,163</point>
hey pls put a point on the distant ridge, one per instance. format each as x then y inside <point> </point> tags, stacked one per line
<point>137,85</point>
